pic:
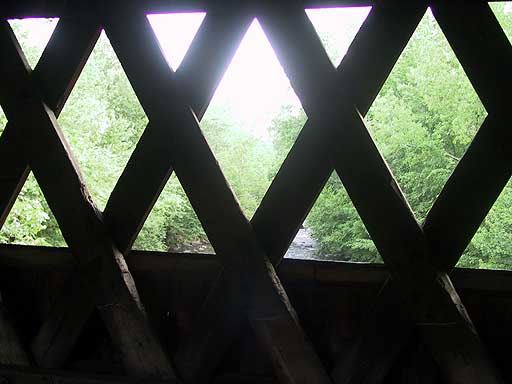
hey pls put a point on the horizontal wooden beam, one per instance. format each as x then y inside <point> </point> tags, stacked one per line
<point>250,280</point>
<point>13,9</point>
<point>13,375</point>
<point>42,144</point>
<point>291,271</point>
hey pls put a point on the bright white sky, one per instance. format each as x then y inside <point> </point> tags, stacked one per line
<point>255,87</point>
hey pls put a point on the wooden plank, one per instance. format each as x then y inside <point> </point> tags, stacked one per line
<point>14,375</point>
<point>55,79</point>
<point>366,176</point>
<point>12,175</point>
<point>49,156</point>
<point>294,271</point>
<point>314,139</point>
<point>486,55</point>
<point>64,323</point>
<point>131,201</point>
<point>307,167</point>
<point>74,38</point>
<point>381,205</point>
<point>12,350</point>
<point>450,225</point>
<point>248,271</point>
<point>375,351</point>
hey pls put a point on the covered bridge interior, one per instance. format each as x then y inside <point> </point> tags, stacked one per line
<point>100,312</point>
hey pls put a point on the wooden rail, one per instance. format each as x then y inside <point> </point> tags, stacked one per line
<point>417,296</point>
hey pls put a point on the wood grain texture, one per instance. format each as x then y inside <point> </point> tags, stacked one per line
<point>486,56</point>
<point>252,278</point>
<point>41,142</point>
<point>388,218</point>
<point>132,200</point>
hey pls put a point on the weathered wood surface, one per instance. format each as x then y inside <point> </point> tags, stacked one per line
<point>55,78</point>
<point>131,200</point>
<point>434,305</point>
<point>250,277</point>
<point>73,38</point>
<point>13,375</point>
<point>450,225</point>
<point>20,258</point>
<point>420,293</point>
<point>103,268</point>
<point>486,56</point>
<point>12,350</point>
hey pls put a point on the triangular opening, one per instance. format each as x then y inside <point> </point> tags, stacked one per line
<point>30,221</point>
<point>253,94</point>
<point>172,225</point>
<point>425,116</point>
<point>491,247</point>
<point>175,32</point>
<point>503,12</point>
<point>337,27</point>
<point>333,230</point>
<point>3,120</point>
<point>33,35</point>
<point>102,120</point>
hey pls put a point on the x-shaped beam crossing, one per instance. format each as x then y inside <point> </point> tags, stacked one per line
<point>104,273</point>
<point>444,326</point>
<point>335,136</point>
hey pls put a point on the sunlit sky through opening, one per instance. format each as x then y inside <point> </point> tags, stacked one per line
<point>255,87</point>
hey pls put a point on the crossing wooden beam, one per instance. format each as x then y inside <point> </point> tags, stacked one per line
<point>434,305</point>
<point>450,225</point>
<point>103,268</point>
<point>419,296</point>
<point>364,69</point>
<point>55,78</point>
<point>485,53</point>
<point>131,201</point>
<point>249,277</point>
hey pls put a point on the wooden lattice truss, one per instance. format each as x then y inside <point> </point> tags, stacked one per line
<point>419,294</point>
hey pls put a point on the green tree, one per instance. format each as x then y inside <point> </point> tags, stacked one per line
<point>423,119</point>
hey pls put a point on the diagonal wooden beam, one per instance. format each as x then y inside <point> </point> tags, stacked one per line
<point>427,292</point>
<point>104,270</point>
<point>55,78</point>
<point>486,56</point>
<point>364,69</point>
<point>247,268</point>
<point>131,200</point>
<point>479,43</point>
<point>12,350</point>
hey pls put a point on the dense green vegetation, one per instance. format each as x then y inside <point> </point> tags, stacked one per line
<point>423,120</point>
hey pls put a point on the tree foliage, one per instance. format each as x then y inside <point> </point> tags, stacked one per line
<point>423,120</point>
